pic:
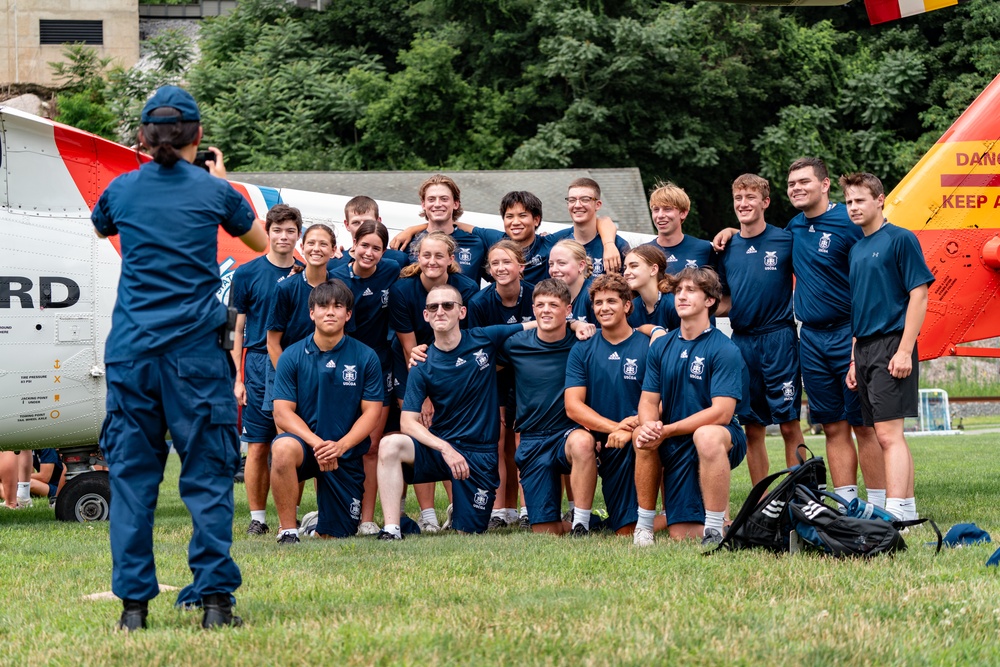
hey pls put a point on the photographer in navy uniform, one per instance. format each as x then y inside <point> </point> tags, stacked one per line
<point>166,366</point>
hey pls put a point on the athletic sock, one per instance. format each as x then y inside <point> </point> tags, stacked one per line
<point>581,517</point>
<point>714,520</point>
<point>910,509</point>
<point>571,507</point>
<point>645,519</point>
<point>894,506</point>
<point>288,531</point>
<point>522,512</point>
<point>877,497</point>
<point>392,528</point>
<point>258,515</point>
<point>430,516</point>
<point>24,490</point>
<point>848,493</point>
<point>512,515</point>
<point>499,514</point>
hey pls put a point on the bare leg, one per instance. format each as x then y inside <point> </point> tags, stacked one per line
<point>841,456</point>
<point>286,457</point>
<point>791,433</point>
<point>898,461</point>
<point>370,461</point>
<point>757,461</point>
<point>393,452</point>
<point>713,444</point>
<point>870,457</point>
<point>581,452</point>
<point>257,476</point>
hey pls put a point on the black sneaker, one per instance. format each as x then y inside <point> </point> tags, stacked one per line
<point>134,614</point>
<point>383,535</point>
<point>496,523</point>
<point>218,609</point>
<point>524,523</point>
<point>579,530</point>
<point>712,538</point>
<point>288,538</point>
<point>240,476</point>
<point>257,528</point>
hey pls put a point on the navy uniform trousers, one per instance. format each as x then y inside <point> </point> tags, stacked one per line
<point>190,394</point>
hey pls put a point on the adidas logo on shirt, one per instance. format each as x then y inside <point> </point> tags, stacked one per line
<point>614,357</point>
<point>459,362</point>
<point>812,229</point>
<point>331,364</point>
<point>684,354</point>
<point>671,259</point>
<point>367,292</point>
<point>512,320</point>
<point>751,250</point>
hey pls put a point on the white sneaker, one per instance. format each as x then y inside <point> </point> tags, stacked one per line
<point>308,524</point>
<point>447,522</point>
<point>368,528</point>
<point>643,537</point>
<point>23,503</point>
<point>427,527</point>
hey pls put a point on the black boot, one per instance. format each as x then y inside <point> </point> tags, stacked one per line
<point>133,615</point>
<point>218,612</point>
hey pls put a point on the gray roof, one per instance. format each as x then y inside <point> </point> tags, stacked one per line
<point>621,189</point>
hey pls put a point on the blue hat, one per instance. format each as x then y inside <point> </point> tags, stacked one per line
<point>174,97</point>
<point>994,560</point>
<point>965,533</point>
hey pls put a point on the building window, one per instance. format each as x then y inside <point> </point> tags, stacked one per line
<point>63,32</point>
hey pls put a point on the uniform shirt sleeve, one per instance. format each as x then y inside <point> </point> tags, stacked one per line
<point>399,314</point>
<point>477,313</point>
<point>727,373</point>
<point>652,380</point>
<point>239,296</point>
<point>286,379</point>
<point>576,367</point>
<point>277,319</point>
<point>239,217</point>
<point>499,333</point>
<point>488,236</point>
<point>623,247</point>
<point>101,216</point>
<point>416,389</point>
<point>720,268</point>
<point>912,265</point>
<point>373,379</point>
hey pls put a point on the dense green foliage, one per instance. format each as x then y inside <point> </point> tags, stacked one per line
<point>691,92</point>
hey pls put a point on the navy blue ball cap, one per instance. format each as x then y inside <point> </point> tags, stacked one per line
<point>965,533</point>
<point>174,98</point>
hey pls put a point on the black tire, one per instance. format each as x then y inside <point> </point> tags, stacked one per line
<point>86,497</point>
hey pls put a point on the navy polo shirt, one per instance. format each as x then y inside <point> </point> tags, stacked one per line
<point>820,261</point>
<point>369,321</point>
<point>328,387</point>
<point>461,384</point>
<point>691,252</point>
<point>254,286</point>
<point>407,298</point>
<point>540,373</point>
<point>594,248</point>
<point>398,256</point>
<point>688,374</point>
<point>885,266</point>
<point>167,291</point>
<point>612,374</point>
<point>487,307</point>
<point>470,255</point>
<point>663,315</point>
<point>583,309</point>
<point>757,273</point>
<point>536,256</point>
<point>290,311</point>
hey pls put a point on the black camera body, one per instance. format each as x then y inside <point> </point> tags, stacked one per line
<point>201,157</point>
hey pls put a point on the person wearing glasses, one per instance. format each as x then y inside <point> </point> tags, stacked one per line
<point>459,378</point>
<point>584,201</point>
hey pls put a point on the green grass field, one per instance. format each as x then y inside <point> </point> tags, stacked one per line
<point>526,599</point>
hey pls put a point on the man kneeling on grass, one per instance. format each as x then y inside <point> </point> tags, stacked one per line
<point>459,377</point>
<point>327,399</point>
<point>699,376</point>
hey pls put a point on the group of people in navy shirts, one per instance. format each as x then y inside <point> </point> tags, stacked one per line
<point>384,364</point>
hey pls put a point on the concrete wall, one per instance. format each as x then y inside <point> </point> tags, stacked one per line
<point>24,60</point>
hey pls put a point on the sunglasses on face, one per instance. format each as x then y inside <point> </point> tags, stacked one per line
<point>448,306</point>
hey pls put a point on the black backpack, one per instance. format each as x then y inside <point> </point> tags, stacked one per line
<point>764,522</point>
<point>834,532</point>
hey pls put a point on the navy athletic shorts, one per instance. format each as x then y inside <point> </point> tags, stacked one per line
<point>258,425</point>
<point>825,355</point>
<point>883,397</point>
<point>338,492</point>
<point>772,361</point>
<point>541,458</point>
<point>617,470</point>
<point>682,499</point>
<point>472,498</point>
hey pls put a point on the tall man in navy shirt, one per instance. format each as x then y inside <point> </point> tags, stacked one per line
<point>253,288</point>
<point>698,377</point>
<point>603,384</point>
<point>756,275</point>
<point>670,206</point>
<point>459,377</point>
<point>583,198</point>
<point>328,394</point>
<point>889,285</point>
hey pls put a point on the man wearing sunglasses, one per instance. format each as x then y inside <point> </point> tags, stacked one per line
<point>459,377</point>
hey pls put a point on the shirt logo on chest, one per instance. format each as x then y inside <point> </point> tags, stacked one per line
<point>613,357</point>
<point>751,250</point>
<point>331,364</point>
<point>458,362</point>
<point>367,292</point>
<point>684,354</point>
<point>697,367</point>
<point>824,242</point>
<point>464,255</point>
<point>350,374</point>
<point>630,368</point>
<point>691,264</point>
<point>535,261</point>
<point>874,254</point>
<point>482,359</point>
<point>671,259</point>
<point>598,266</point>
<point>385,298</point>
<point>512,319</point>
<point>770,260</point>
